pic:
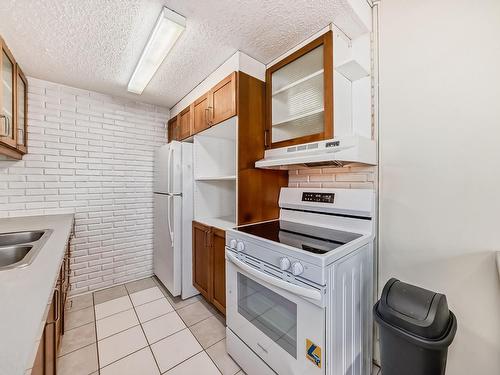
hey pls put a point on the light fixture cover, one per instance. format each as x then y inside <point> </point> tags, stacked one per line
<point>167,30</point>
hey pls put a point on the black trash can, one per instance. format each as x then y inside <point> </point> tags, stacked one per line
<point>416,329</point>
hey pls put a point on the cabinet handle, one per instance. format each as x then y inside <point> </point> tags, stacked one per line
<point>266,133</point>
<point>3,131</point>
<point>207,116</point>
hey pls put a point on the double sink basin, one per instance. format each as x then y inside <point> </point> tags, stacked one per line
<point>19,249</point>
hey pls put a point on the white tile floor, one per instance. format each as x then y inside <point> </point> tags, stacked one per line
<point>140,328</point>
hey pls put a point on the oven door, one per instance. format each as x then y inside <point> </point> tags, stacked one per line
<point>276,319</point>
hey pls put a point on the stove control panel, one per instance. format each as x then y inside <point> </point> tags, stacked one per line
<point>318,197</point>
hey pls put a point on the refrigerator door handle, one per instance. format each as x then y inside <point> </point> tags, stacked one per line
<point>169,211</point>
<point>169,169</point>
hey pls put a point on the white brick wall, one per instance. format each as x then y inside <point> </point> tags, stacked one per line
<point>90,154</point>
<point>351,177</point>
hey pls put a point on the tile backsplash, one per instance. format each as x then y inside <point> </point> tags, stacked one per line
<point>349,177</point>
<point>91,154</point>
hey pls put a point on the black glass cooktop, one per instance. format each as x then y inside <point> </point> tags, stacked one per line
<point>317,240</point>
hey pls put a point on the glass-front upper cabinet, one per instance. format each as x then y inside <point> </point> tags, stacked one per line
<point>22,110</point>
<point>13,106</point>
<point>300,95</point>
<point>7,98</point>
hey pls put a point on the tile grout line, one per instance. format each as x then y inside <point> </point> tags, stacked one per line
<point>74,350</point>
<point>209,356</point>
<point>123,330</point>
<point>96,340</point>
<point>202,348</point>
<point>143,332</point>
<point>128,355</point>
<point>199,343</point>
<point>135,351</point>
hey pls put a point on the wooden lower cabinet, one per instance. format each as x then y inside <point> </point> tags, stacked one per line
<point>209,269</point>
<point>46,357</point>
<point>219,269</point>
<point>201,259</point>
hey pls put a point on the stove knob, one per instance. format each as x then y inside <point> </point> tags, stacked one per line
<point>232,244</point>
<point>297,268</point>
<point>240,246</point>
<point>284,263</point>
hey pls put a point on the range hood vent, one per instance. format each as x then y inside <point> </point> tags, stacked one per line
<point>336,152</point>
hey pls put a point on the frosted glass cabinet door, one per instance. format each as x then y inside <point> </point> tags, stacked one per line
<point>7,130</point>
<point>300,95</point>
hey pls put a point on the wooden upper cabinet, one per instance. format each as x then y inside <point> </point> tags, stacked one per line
<point>223,99</point>
<point>201,113</point>
<point>213,107</point>
<point>299,95</point>
<point>7,97</point>
<point>13,106</point>
<point>185,123</point>
<point>219,269</point>
<point>173,129</point>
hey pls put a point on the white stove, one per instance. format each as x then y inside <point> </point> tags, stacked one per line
<point>299,290</point>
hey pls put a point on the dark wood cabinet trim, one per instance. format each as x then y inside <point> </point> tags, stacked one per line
<point>20,75</point>
<point>327,41</point>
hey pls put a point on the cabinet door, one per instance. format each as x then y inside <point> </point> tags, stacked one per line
<point>201,114</point>
<point>7,97</point>
<point>21,111</point>
<point>173,129</point>
<point>299,96</point>
<point>202,259</point>
<point>185,126</point>
<point>219,269</point>
<point>50,357</point>
<point>39,365</point>
<point>223,99</point>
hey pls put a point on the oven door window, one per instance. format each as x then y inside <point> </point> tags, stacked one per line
<point>271,313</point>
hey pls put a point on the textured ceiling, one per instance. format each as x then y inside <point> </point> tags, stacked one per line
<point>95,44</point>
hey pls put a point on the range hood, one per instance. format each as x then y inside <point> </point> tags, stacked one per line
<point>333,152</point>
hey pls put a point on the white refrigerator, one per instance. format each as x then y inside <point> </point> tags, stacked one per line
<point>173,215</point>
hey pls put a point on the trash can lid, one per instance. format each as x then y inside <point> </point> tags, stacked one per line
<point>414,309</point>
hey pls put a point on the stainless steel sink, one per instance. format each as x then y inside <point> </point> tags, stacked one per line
<point>13,254</point>
<point>16,238</point>
<point>19,249</point>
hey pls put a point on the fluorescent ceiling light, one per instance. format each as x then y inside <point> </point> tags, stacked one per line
<point>167,30</point>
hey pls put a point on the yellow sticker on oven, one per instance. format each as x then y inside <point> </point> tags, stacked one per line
<point>313,353</point>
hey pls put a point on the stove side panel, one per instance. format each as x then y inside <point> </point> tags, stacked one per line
<point>349,327</point>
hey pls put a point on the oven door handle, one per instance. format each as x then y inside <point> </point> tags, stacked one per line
<point>292,288</point>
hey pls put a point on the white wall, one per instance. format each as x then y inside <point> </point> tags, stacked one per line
<point>90,154</point>
<point>440,163</point>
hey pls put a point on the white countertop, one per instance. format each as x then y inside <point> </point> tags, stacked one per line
<point>223,222</point>
<point>25,292</point>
